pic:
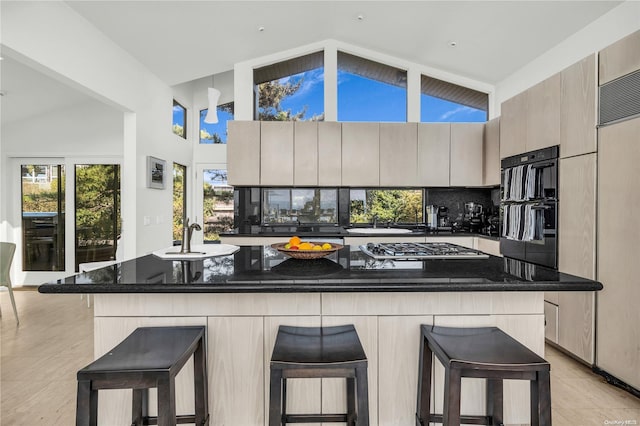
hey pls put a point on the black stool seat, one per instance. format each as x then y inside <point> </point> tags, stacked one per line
<point>485,352</point>
<point>316,352</point>
<point>150,357</point>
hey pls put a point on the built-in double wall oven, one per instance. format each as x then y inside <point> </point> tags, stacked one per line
<point>529,207</point>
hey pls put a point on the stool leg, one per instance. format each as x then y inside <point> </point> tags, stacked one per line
<point>351,401</point>
<point>362,394</point>
<point>139,406</point>
<point>495,400</point>
<point>200,384</point>
<point>275,398</point>
<point>541,400</point>
<point>423,409</point>
<point>451,414</point>
<point>87,404</point>
<point>166,402</point>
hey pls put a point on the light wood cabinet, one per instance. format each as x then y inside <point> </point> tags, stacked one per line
<point>466,154</point>
<point>276,153</point>
<point>434,149</point>
<point>329,153</point>
<point>488,246</point>
<point>491,153</point>
<point>618,315</point>
<point>398,148</point>
<point>243,153</point>
<point>578,108</point>
<point>305,153</point>
<point>620,58</point>
<point>577,252</point>
<point>550,322</point>
<point>360,154</point>
<point>543,114</point>
<point>513,126</point>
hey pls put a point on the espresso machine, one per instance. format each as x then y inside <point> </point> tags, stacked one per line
<point>473,217</point>
<point>444,223</point>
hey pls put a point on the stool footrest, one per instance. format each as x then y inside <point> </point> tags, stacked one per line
<point>467,420</point>
<point>182,419</point>
<point>313,418</point>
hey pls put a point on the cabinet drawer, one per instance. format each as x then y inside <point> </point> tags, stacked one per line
<point>551,322</point>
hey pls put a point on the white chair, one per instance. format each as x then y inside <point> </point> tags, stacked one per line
<point>92,266</point>
<point>7,251</point>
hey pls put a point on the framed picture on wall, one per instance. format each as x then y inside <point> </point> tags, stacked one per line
<point>156,173</point>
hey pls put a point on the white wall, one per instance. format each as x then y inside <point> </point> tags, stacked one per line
<point>54,39</point>
<point>614,25</point>
<point>87,129</point>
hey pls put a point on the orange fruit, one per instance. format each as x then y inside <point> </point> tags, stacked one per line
<point>295,241</point>
<point>305,246</point>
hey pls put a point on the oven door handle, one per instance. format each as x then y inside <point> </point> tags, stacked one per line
<point>543,165</point>
<point>541,207</point>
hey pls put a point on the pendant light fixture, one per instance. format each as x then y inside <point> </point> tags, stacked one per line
<point>212,113</point>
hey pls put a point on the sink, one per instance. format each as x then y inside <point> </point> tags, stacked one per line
<point>378,231</point>
<point>198,251</point>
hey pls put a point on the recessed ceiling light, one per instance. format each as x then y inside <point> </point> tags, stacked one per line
<point>453,43</point>
<point>360,17</point>
<point>261,29</point>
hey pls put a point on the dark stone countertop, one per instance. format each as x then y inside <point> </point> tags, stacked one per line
<point>258,269</point>
<point>332,231</point>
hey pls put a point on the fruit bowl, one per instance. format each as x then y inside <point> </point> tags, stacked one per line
<point>306,254</point>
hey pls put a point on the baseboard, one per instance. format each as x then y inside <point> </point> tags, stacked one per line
<point>612,380</point>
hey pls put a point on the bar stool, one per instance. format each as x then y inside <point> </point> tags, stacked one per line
<point>150,357</point>
<point>485,352</point>
<point>316,352</point>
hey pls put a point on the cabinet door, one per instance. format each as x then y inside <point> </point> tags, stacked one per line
<point>329,153</point>
<point>543,114</point>
<point>577,252</point>
<point>305,153</point>
<point>243,153</point>
<point>513,126</point>
<point>466,154</point>
<point>276,153</point>
<point>491,153</point>
<point>398,149</point>
<point>618,236</point>
<point>360,154</point>
<point>578,108</point>
<point>620,58</point>
<point>550,322</point>
<point>488,246</point>
<point>434,145</point>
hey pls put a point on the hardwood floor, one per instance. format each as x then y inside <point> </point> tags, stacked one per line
<point>39,360</point>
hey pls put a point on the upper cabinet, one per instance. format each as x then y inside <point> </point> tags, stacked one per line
<point>491,153</point>
<point>578,108</point>
<point>543,114</point>
<point>305,153</point>
<point>360,154</point>
<point>276,153</point>
<point>398,147</point>
<point>513,126</point>
<point>329,153</point>
<point>243,153</point>
<point>620,58</point>
<point>434,149</point>
<point>466,154</point>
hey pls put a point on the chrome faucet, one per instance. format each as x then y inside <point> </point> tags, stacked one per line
<point>187,233</point>
<point>375,220</point>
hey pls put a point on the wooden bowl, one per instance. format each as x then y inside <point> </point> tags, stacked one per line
<point>306,254</point>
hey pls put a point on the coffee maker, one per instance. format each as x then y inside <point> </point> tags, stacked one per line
<point>444,223</point>
<point>432,217</point>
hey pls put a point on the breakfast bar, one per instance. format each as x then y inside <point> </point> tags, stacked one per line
<point>242,299</point>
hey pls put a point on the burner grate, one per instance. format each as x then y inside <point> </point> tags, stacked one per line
<point>400,251</point>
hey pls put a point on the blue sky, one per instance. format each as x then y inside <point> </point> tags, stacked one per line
<point>359,99</point>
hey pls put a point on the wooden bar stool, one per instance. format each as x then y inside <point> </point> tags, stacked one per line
<point>485,352</point>
<point>316,352</point>
<point>150,357</point>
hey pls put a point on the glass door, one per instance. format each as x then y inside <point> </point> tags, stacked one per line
<point>215,201</point>
<point>42,189</point>
<point>97,212</point>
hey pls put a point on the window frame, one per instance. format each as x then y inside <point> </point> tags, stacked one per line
<point>184,118</point>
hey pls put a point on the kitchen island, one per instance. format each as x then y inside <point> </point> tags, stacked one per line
<point>244,297</point>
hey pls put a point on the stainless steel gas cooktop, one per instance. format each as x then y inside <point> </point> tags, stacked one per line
<point>407,251</point>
